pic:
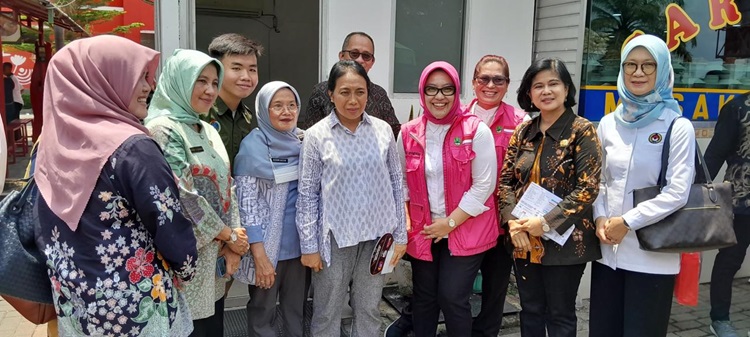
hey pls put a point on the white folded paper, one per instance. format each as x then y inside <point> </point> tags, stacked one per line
<point>537,201</point>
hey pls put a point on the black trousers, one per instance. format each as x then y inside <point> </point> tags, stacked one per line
<point>629,304</point>
<point>210,326</point>
<point>290,289</point>
<point>443,284</point>
<point>548,298</point>
<point>495,267</point>
<point>727,263</point>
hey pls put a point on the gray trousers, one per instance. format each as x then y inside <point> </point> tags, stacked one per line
<point>350,264</point>
<point>290,287</point>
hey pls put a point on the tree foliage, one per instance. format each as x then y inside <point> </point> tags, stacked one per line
<point>618,19</point>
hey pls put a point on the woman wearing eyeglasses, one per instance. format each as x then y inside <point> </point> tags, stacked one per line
<point>491,79</point>
<point>266,171</point>
<point>631,289</point>
<point>559,152</point>
<point>451,171</point>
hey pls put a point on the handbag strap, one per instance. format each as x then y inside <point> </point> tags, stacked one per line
<point>17,206</point>
<point>701,176</point>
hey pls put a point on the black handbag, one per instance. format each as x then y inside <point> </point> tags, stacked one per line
<point>704,223</point>
<point>22,265</point>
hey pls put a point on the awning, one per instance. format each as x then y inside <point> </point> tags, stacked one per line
<point>39,10</point>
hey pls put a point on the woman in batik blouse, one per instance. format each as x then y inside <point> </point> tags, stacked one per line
<point>188,86</point>
<point>110,217</point>
<point>560,152</point>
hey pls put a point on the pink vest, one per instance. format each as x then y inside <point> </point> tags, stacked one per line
<point>475,235</point>
<point>503,124</point>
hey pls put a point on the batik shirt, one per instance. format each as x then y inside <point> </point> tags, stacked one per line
<point>113,275</point>
<point>199,161</point>
<point>570,165</point>
<point>731,144</point>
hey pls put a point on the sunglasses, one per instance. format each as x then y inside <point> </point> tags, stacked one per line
<point>647,68</point>
<point>497,80</point>
<point>446,91</point>
<point>353,54</point>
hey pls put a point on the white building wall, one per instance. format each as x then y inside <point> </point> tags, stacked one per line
<point>502,27</point>
<point>559,33</point>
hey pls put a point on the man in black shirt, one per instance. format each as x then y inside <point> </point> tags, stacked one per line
<point>359,47</point>
<point>731,144</point>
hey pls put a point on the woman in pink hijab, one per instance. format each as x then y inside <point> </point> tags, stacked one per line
<point>110,219</point>
<point>451,171</point>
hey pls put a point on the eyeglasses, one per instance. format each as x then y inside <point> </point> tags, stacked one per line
<point>279,108</point>
<point>446,91</point>
<point>497,80</point>
<point>630,68</point>
<point>354,54</point>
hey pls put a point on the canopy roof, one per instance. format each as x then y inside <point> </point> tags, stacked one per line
<point>39,9</point>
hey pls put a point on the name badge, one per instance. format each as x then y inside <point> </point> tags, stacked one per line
<point>286,174</point>
<point>279,160</point>
<point>196,149</point>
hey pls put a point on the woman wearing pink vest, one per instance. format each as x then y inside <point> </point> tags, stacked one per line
<point>491,79</point>
<point>451,171</point>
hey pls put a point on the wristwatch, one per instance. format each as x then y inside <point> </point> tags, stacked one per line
<point>451,223</point>
<point>233,237</point>
<point>545,225</point>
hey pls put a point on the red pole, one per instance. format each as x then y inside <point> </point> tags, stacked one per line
<point>36,87</point>
<point>5,122</point>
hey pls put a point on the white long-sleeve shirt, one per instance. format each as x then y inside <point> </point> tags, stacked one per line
<point>483,170</point>
<point>632,160</point>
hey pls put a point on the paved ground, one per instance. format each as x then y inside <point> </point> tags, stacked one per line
<point>685,321</point>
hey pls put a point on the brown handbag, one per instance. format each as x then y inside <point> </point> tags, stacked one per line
<point>37,313</point>
<point>704,223</point>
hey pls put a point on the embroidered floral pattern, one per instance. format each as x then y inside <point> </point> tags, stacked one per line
<point>166,203</point>
<point>140,265</point>
<point>107,277</point>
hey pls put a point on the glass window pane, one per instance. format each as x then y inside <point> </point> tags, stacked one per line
<point>426,31</point>
<point>710,68</point>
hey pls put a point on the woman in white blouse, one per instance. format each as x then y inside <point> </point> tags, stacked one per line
<point>631,290</point>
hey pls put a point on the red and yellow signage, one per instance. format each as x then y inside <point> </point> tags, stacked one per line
<point>681,28</point>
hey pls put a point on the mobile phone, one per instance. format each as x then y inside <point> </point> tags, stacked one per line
<point>221,267</point>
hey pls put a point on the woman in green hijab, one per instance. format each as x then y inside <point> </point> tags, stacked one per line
<point>188,87</point>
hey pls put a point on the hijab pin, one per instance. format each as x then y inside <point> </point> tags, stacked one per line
<point>564,143</point>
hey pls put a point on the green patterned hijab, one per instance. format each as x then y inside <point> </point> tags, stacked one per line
<point>175,86</point>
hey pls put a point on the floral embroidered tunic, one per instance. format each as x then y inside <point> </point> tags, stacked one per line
<point>201,164</point>
<point>114,275</point>
<point>570,167</point>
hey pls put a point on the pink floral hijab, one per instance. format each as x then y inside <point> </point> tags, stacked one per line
<point>88,88</point>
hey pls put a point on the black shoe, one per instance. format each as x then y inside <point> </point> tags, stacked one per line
<point>399,328</point>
